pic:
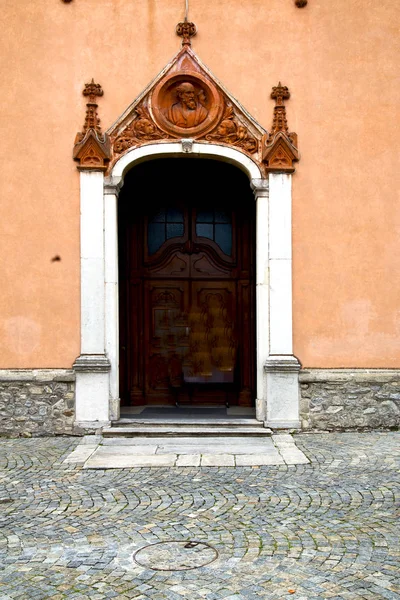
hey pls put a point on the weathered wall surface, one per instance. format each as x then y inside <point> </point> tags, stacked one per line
<point>340,61</point>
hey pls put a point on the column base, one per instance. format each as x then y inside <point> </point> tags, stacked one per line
<point>282,392</point>
<point>115,409</point>
<point>92,390</point>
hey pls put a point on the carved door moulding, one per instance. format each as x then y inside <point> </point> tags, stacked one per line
<point>186,102</point>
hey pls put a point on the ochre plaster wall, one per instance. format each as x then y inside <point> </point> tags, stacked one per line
<point>340,62</point>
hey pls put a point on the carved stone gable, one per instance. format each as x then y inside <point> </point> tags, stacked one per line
<point>186,102</point>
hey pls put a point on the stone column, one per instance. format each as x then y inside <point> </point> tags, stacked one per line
<point>92,366</point>
<point>111,190</point>
<point>260,188</point>
<point>281,367</point>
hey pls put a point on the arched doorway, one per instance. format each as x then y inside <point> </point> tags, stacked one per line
<point>187,284</point>
<point>146,132</point>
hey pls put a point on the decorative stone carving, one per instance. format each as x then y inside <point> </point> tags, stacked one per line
<point>280,147</point>
<point>92,147</point>
<point>187,145</point>
<point>185,102</point>
<point>186,30</point>
<point>280,93</point>
<point>140,130</point>
<point>230,131</point>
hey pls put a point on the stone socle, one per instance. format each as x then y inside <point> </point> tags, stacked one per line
<point>335,399</point>
<point>37,402</point>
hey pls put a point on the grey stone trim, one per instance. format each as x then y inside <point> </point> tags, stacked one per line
<point>260,187</point>
<point>286,363</point>
<point>187,144</point>
<point>92,425</point>
<point>90,363</point>
<point>282,424</point>
<point>112,185</point>
<point>61,375</point>
<point>356,375</point>
<point>343,399</point>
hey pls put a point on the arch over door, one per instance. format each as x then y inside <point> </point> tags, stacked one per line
<point>187,284</point>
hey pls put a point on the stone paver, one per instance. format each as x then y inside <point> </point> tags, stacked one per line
<point>328,529</point>
<point>188,460</point>
<point>217,460</point>
<point>114,460</point>
<point>254,460</point>
<point>81,453</point>
<point>119,453</point>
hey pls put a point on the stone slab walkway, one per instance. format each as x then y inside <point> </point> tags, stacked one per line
<point>95,452</point>
<point>325,529</point>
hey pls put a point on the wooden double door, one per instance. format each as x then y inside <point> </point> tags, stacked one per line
<point>187,331</point>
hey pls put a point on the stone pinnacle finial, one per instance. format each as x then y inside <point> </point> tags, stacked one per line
<point>92,120</point>
<point>92,148</point>
<point>186,30</point>
<point>92,90</point>
<point>280,149</point>
<point>279,93</point>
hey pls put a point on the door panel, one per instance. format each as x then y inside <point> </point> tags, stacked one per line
<point>176,264</point>
<point>203,264</point>
<point>165,303</point>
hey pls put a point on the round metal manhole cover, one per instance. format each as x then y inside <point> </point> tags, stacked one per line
<point>175,556</point>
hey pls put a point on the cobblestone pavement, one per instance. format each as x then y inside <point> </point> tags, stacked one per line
<point>327,529</point>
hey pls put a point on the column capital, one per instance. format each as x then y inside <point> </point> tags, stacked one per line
<point>112,185</point>
<point>260,187</point>
<point>282,363</point>
<point>92,362</point>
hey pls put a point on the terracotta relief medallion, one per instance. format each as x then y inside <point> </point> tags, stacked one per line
<point>186,104</point>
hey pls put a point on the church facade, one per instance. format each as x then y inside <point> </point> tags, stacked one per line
<point>221,230</point>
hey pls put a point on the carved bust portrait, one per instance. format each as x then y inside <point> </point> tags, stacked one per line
<point>188,111</point>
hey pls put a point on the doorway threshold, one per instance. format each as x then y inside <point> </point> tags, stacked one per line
<point>188,412</point>
<point>186,421</point>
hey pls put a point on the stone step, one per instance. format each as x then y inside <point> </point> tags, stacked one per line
<point>149,430</point>
<point>184,422</point>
